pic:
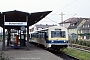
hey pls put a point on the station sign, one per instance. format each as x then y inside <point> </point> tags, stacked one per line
<point>15,23</point>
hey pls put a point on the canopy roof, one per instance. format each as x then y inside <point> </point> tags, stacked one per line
<point>19,16</point>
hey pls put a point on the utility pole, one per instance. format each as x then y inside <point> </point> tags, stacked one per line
<point>62,17</point>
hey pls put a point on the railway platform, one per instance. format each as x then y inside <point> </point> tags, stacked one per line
<point>34,53</point>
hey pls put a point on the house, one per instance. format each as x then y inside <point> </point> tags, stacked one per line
<point>84,32</point>
<point>73,25</point>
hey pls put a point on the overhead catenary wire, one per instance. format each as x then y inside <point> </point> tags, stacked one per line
<point>66,6</point>
<point>61,10</point>
<point>61,19</point>
<point>52,20</point>
<point>55,21</point>
<point>57,4</point>
<point>63,7</point>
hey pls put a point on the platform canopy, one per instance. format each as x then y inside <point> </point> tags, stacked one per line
<point>20,16</point>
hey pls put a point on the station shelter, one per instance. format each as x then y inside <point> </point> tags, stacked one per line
<point>20,21</point>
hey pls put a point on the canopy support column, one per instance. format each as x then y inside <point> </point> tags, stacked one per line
<point>3,44</point>
<point>9,37</point>
<point>27,33</point>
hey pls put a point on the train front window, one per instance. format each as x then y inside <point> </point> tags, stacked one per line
<point>57,34</point>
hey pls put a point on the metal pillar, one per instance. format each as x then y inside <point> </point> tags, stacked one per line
<point>27,33</point>
<point>9,37</point>
<point>20,34</point>
<point>3,44</point>
<point>28,38</point>
<point>62,17</point>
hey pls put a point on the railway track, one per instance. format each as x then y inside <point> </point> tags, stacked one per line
<point>68,57</point>
<point>80,47</point>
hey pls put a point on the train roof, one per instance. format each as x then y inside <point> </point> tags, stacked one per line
<point>58,27</point>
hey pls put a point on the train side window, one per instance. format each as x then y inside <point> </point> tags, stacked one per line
<point>43,35</point>
<point>32,35</point>
<point>38,35</point>
<point>35,35</point>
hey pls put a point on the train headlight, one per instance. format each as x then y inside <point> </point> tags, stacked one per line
<point>52,41</point>
<point>64,41</point>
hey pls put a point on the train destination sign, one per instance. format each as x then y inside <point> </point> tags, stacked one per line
<point>15,23</point>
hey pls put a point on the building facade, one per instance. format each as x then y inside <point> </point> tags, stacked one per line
<point>84,32</point>
<point>74,27</point>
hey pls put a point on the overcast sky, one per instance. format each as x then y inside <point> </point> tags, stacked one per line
<point>71,8</point>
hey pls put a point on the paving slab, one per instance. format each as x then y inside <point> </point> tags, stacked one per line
<point>34,53</point>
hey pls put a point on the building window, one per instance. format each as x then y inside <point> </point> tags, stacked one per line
<point>71,24</point>
<point>82,37</point>
<point>88,25</point>
<point>83,26</point>
<point>87,31</point>
<point>87,37</point>
<point>83,31</point>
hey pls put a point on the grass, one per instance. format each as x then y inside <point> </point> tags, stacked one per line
<point>82,55</point>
